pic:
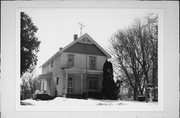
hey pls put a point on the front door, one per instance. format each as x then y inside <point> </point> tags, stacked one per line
<point>70,89</point>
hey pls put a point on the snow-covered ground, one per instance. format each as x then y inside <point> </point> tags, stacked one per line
<point>70,104</point>
<point>61,101</point>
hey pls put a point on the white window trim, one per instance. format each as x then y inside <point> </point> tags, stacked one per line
<point>95,62</point>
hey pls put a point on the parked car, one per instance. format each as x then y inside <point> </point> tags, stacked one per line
<point>41,95</point>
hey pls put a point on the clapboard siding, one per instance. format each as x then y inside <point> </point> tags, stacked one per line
<point>81,48</point>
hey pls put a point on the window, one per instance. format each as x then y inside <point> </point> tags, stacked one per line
<point>70,60</point>
<point>51,63</point>
<point>86,41</point>
<point>92,63</point>
<point>57,80</point>
<point>93,83</point>
<point>70,84</point>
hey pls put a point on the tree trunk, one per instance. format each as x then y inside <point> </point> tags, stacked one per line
<point>135,93</point>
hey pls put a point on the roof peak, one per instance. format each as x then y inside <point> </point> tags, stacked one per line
<point>87,41</point>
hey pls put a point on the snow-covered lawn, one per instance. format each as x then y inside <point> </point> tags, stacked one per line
<point>70,104</point>
<point>61,101</point>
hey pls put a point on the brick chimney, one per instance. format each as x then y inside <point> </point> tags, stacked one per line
<point>75,37</point>
<point>60,48</point>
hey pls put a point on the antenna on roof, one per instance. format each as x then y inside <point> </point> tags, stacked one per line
<point>81,27</point>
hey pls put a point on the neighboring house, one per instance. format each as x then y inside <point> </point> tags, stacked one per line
<point>75,69</point>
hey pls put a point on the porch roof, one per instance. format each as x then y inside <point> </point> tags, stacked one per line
<point>74,70</point>
<point>94,72</point>
<point>83,71</point>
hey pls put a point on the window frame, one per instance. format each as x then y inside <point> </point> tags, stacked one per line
<point>70,87</point>
<point>68,57</point>
<point>52,62</point>
<point>94,66</point>
<point>93,83</point>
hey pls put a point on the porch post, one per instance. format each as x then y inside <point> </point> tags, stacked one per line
<point>81,83</point>
<point>66,81</point>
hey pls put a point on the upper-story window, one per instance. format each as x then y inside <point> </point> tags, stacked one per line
<point>70,60</point>
<point>51,63</point>
<point>92,63</point>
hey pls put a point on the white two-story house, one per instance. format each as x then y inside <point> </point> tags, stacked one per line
<point>75,69</point>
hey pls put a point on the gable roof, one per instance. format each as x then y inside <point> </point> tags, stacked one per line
<point>72,43</point>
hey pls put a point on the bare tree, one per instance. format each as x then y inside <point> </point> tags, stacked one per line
<point>135,54</point>
<point>152,27</point>
<point>29,85</point>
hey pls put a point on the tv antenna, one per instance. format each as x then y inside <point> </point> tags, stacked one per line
<point>81,27</point>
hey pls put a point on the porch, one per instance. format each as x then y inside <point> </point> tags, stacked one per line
<point>78,82</point>
<point>44,81</point>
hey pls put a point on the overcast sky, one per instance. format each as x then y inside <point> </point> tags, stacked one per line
<point>56,27</point>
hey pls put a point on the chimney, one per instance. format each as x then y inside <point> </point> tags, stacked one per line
<point>60,48</point>
<point>75,37</point>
